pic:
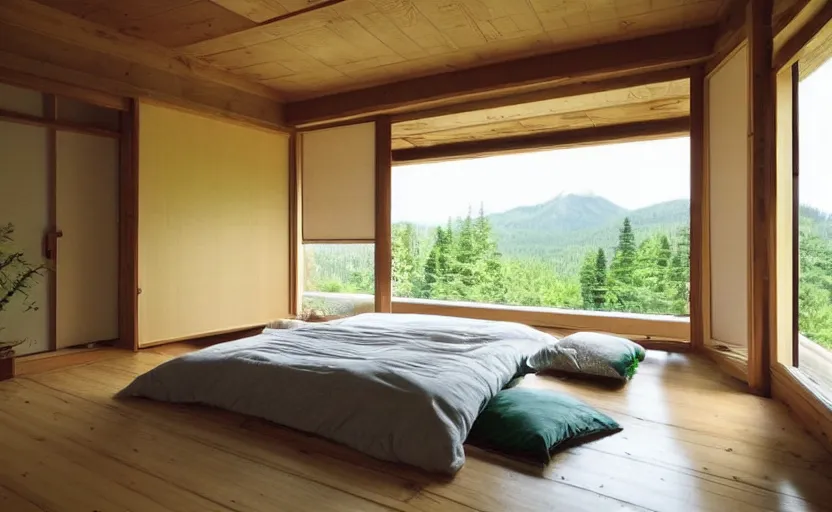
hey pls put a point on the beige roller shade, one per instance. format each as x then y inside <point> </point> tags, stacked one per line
<point>729,189</point>
<point>338,183</point>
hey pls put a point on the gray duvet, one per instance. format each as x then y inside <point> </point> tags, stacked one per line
<point>403,388</point>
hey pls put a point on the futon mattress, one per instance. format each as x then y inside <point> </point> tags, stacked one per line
<point>404,388</point>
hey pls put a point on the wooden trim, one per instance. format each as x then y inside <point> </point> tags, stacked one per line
<point>50,112</point>
<point>671,49</point>
<point>213,337</point>
<point>791,49</point>
<point>101,99</point>
<point>128,242</point>
<point>339,240</point>
<point>384,241</point>
<point>697,185</point>
<point>795,120</point>
<point>661,328</point>
<point>762,321</point>
<point>55,124</point>
<point>294,225</point>
<point>729,362</point>
<point>563,139</point>
<point>799,395</point>
<point>552,92</point>
<point>705,251</point>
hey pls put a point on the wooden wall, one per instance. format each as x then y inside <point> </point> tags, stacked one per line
<point>213,225</point>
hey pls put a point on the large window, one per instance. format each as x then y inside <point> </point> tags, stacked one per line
<point>602,228</point>
<point>814,239</point>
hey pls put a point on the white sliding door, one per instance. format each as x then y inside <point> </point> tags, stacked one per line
<point>24,203</point>
<point>87,263</point>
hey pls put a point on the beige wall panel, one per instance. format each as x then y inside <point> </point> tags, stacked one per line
<point>22,101</point>
<point>728,163</point>
<point>339,168</point>
<point>87,213</point>
<point>213,225</point>
<point>23,202</point>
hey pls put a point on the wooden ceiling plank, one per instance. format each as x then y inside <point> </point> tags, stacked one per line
<point>679,89</point>
<point>255,10</point>
<point>601,116</point>
<point>682,47</point>
<point>563,139</point>
<point>56,24</point>
<point>188,24</point>
<point>550,93</point>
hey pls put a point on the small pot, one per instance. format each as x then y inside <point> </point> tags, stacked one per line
<point>6,364</point>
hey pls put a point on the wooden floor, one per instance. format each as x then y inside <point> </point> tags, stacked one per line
<point>692,441</point>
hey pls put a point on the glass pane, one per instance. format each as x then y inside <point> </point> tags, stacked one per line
<point>338,279</point>
<point>815,224</point>
<point>604,228</point>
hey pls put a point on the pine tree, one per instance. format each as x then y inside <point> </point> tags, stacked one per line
<point>622,295</point>
<point>587,280</point>
<point>404,260</point>
<point>663,260</point>
<point>599,293</point>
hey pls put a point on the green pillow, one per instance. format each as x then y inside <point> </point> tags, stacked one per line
<point>530,423</point>
<point>591,353</point>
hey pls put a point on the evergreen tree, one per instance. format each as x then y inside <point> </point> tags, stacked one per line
<point>599,293</point>
<point>587,280</point>
<point>404,260</point>
<point>621,294</point>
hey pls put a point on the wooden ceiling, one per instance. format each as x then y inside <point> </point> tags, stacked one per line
<point>650,102</point>
<point>310,48</point>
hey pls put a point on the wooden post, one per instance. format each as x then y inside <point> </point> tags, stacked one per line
<point>697,188</point>
<point>384,242</point>
<point>50,104</point>
<point>295,244</point>
<point>128,236</point>
<point>762,194</point>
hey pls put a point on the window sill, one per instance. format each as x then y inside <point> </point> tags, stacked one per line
<point>805,400</point>
<point>670,328</point>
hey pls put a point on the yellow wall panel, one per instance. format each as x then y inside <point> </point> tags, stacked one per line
<point>213,225</point>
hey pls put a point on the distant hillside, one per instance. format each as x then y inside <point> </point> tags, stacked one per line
<point>561,231</point>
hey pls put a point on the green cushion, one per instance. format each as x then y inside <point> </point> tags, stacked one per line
<point>591,353</point>
<point>530,423</point>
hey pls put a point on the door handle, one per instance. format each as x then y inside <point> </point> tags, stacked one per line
<point>50,243</point>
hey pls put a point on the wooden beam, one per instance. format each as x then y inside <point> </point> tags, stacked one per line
<point>384,241</point>
<point>295,244</point>
<point>731,32</point>
<point>790,50</point>
<point>562,139</point>
<point>128,234</point>
<point>763,195</point>
<point>550,93</point>
<point>49,44</point>
<point>37,83</point>
<point>672,49</point>
<point>697,188</point>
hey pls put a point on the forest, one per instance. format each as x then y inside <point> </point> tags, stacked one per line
<point>638,263</point>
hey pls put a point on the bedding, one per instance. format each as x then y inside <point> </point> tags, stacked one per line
<point>403,388</point>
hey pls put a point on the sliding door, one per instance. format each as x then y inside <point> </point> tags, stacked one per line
<point>87,215</point>
<point>24,204</point>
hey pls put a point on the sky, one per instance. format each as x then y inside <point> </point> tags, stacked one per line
<point>632,174</point>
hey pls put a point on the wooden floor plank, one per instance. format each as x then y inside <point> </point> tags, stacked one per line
<point>692,440</point>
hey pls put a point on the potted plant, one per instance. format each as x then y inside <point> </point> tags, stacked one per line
<point>17,276</point>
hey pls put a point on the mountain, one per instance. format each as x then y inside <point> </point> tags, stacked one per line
<point>562,230</point>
